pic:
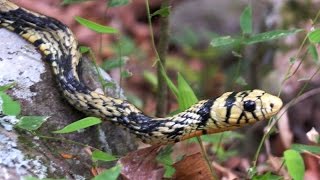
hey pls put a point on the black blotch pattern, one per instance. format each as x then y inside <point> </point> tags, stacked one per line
<point>229,103</point>
<point>243,114</point>
<point>38,42</point>
<point>175,133</point>
<point>146,124</point>
<point>204,113</point>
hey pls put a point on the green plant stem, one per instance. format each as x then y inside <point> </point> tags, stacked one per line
<point>270,127</point>
<point>219,143</point>
<point>162,89</point>
<point>287,76</point>
<point>162,70</point>
<point>205,156</point>
<point>151,30</point>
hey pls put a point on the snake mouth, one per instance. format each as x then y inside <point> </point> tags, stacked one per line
<point>273,105</point>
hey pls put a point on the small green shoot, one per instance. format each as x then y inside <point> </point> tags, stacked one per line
<point>312,50</point>
<point>113,63</point>
<point>270,35</point>
<point>186,96</point>
<point>314,36</point>
<point>256,38</point>
<point>31,123</point>
<point>302,148</point>
<point>267,176</point>
<point>246,20</point>
<point>7,86</point>
<point>224,41</point>
<point>9,106</point>
<point>294,163</point>
<point>163,12</point>
<point>78,125</point>
<point>84,49</point>
<point>151,78</point>
<point>164,157</point>
<point>109,174</point>
<point>115,3</point>
<point>102,156</point>
<point>241,81</point>
<point>95,26</point>
<point>66,2</point>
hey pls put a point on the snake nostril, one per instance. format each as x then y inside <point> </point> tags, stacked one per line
<point>249,106</point>
<point>271,105</point>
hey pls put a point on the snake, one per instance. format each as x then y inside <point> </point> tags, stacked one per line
<point>59,47</point>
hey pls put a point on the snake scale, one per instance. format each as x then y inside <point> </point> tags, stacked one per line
<point>59,47</point>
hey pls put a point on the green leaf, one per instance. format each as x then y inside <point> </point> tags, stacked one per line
<point>31,123</point>
<point>80,124</point>
<point>252,171</point>
<point>246,20</point>
<point>241,81</point>
<point>30,178</point>
<point>151,78</point>
<point>216,138</point>
<point>163,12</point>
<point>102,156</point>
<point>84,49</point>
<point>164,155</point>
<point>186,96</point>
<point>95,26</point>
<point>7,86</point>
<point>294,163</point>
<point>113,63</point>
<point>302,148</point>
<point>170,84</point>
<point>267,176</point>
<point>270,35</point>
<point>224,41</point>
<point>314,36</point>
<point>9,106</point>
<point>109,174</point>
<point>125,46</point>
<point>168,171</point>
<point>164,158</point>
<point>65,2</point>
<point>114,3</point>
<point>34,178</point>
<point>313,52</point>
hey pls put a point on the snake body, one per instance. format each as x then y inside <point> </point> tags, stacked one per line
<point>59,47</point>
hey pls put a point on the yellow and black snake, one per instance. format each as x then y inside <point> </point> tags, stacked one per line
<point>60,48</point>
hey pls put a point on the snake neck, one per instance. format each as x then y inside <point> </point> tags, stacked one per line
<point>172,129</point>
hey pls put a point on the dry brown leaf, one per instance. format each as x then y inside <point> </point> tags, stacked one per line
<point>192,167</point>
<point>141,164</point>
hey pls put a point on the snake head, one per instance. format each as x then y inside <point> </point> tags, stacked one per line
<point>245,107</point>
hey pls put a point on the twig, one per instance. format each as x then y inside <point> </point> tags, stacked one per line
<point>205,156</point>
<point>162,90</point>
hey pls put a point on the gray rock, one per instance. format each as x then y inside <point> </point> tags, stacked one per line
<point>26,154</point>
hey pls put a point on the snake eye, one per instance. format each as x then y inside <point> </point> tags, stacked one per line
<point>249,106</point>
